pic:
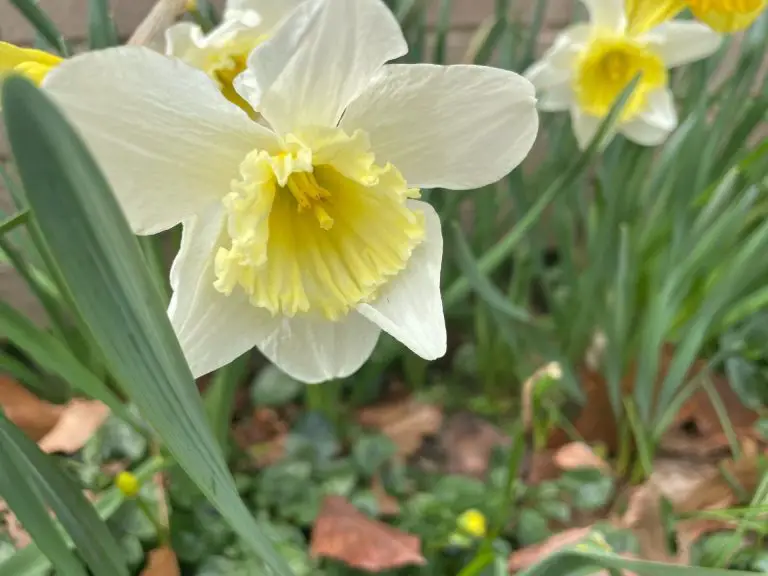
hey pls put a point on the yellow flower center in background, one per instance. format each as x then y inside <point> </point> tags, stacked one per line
<point>34,64</point>
<point>727,15</point>
<point>606,68</point>
<point>317,227</point>
<point>224,63</point>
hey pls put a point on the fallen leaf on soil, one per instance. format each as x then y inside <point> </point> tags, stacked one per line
<point>79,420</point>
<point>539,467</point>
<point>696,430</point>
<point>34,416</point>
<point>263,436</point>
<point>578,455</point>
<point>388,504</point>
<point>405,422</point>
<point>161,562</point>
<point>521,559</point>
<point>344,533</point>
<point>468,442</point>
<point>19,537</point>
<point>644,518</point>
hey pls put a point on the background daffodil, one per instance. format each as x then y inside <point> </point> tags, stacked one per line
<point>590,64</point>
<point>222,52</point>
<point>303,234</point>
<point>721,15</point>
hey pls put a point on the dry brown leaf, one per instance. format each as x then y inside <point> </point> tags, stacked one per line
<point>468,442</point>
<point>79,420</point>
<point>696,430</point>
<point>388,504</point>
<point>539,467</point>
<point>578,455</point>
<point>34,416</point>
<point>161,562</point>
<point>405,422</point>
<point>644,518</point>
<point>19,537</point>
<point>344,533</point>
<point>521,559</point>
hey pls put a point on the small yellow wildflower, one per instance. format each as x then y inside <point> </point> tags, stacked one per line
<point>721,15</point>
<point>473,523</point>
<point>128,484</point>
<point>34,64</point>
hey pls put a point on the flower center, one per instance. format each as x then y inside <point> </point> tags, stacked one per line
<point>225,62</point>
<point>606,68</point>
<point>316,228</point>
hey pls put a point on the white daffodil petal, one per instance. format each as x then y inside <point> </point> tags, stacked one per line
<point>167,140</point>
<point>584,127</point>
<point>655,123</point>
<point>270,12</point>
<point>456,127</point>
<point>316,350</point>
<point>214,328</point>
<point>679,42</point>
<point>556,98</point>
<point>324,56</point>
<point>607,14</point>
<point>199,238</point>
<point>182,37</point>
<point>410,308</point>
<point>556,65</point>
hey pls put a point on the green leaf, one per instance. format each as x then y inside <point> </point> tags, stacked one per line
<point>43,25</point>
<point>499,252</point>
<point>24,499</point>
<point>102,263</point>
<point>220,397</point>
<point>51,355</point>
<point>101,28</point>
<point>13,222</point>
<point>30,561</point>
<point>273,387</point>
<point>40,474</point>
<point>570,561</point>
<point>372,451</point>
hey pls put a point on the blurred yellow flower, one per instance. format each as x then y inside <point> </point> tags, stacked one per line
<point>590,64</point>
<point>721,15</point>
<point>473,522</point>
<point>34,64</point>
<point>128,484</point>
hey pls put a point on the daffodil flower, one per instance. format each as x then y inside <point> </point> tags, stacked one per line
<point>721,15</point>
<point>589,66</point>
<point>222,53</point>
<point>29,62</point>
<point>302,233</point>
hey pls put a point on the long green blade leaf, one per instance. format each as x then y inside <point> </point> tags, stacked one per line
<point>101,28</point>
<point>30,561</point>
<point>38,472</point>
<point>43,25</point>
<point>101,262</point>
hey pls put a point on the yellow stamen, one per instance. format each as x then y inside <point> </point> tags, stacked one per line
<point>606,68</point>
<point>29,62</point>
<point>226,61</point>
<point>316,228</point>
